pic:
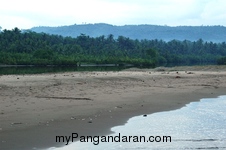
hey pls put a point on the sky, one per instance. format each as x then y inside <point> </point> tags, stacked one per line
<point>26,14</point>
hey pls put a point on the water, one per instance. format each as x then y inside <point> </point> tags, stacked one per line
<point>199,125</point>
<point>8,70</point>
<point>55,69</point>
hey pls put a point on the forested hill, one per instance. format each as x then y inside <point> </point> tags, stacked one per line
<point>31,48</point>
<point>166,33</point>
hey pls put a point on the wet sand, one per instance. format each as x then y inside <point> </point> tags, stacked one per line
<point>34,109</point>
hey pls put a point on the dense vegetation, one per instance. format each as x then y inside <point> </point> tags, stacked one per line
<point>140,32</point>
<point>222,61</point>
<point>30,48</point>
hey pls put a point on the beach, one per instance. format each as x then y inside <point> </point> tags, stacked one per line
<point>34,109</point>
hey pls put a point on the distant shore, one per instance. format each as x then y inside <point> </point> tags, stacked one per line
<point>36,108</point>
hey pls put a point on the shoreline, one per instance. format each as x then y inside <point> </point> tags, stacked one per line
<point>36,108</point>
<point>123,120</point>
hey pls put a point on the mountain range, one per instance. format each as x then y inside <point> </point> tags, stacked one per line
<point>140,32</point>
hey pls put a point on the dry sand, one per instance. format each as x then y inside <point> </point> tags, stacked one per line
<point>36,108</point>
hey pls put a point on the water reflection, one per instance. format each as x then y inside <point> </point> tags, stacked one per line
<point>199,125</point>
<point>52,69</point>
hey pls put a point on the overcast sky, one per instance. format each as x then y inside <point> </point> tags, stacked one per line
<point>25,14</point>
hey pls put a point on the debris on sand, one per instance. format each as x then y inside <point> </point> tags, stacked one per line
<point>16,123</point>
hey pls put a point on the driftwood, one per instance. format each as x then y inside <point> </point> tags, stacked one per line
<point>67,98</point>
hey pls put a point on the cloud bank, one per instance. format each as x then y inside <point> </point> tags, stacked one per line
<point>26,14</point>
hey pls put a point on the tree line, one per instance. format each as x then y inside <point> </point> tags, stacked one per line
<point>30,48</point>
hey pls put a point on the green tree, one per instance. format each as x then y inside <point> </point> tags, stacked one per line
<point>45,54</point>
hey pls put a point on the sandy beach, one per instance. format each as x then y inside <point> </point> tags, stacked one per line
<point>34,109</point>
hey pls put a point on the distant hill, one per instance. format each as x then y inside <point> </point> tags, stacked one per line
<point>166,33</point>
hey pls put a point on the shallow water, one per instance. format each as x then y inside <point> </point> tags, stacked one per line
<point>198,125</point>
<point>56,69</point>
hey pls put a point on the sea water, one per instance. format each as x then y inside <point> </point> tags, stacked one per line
<point>198,125</point>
